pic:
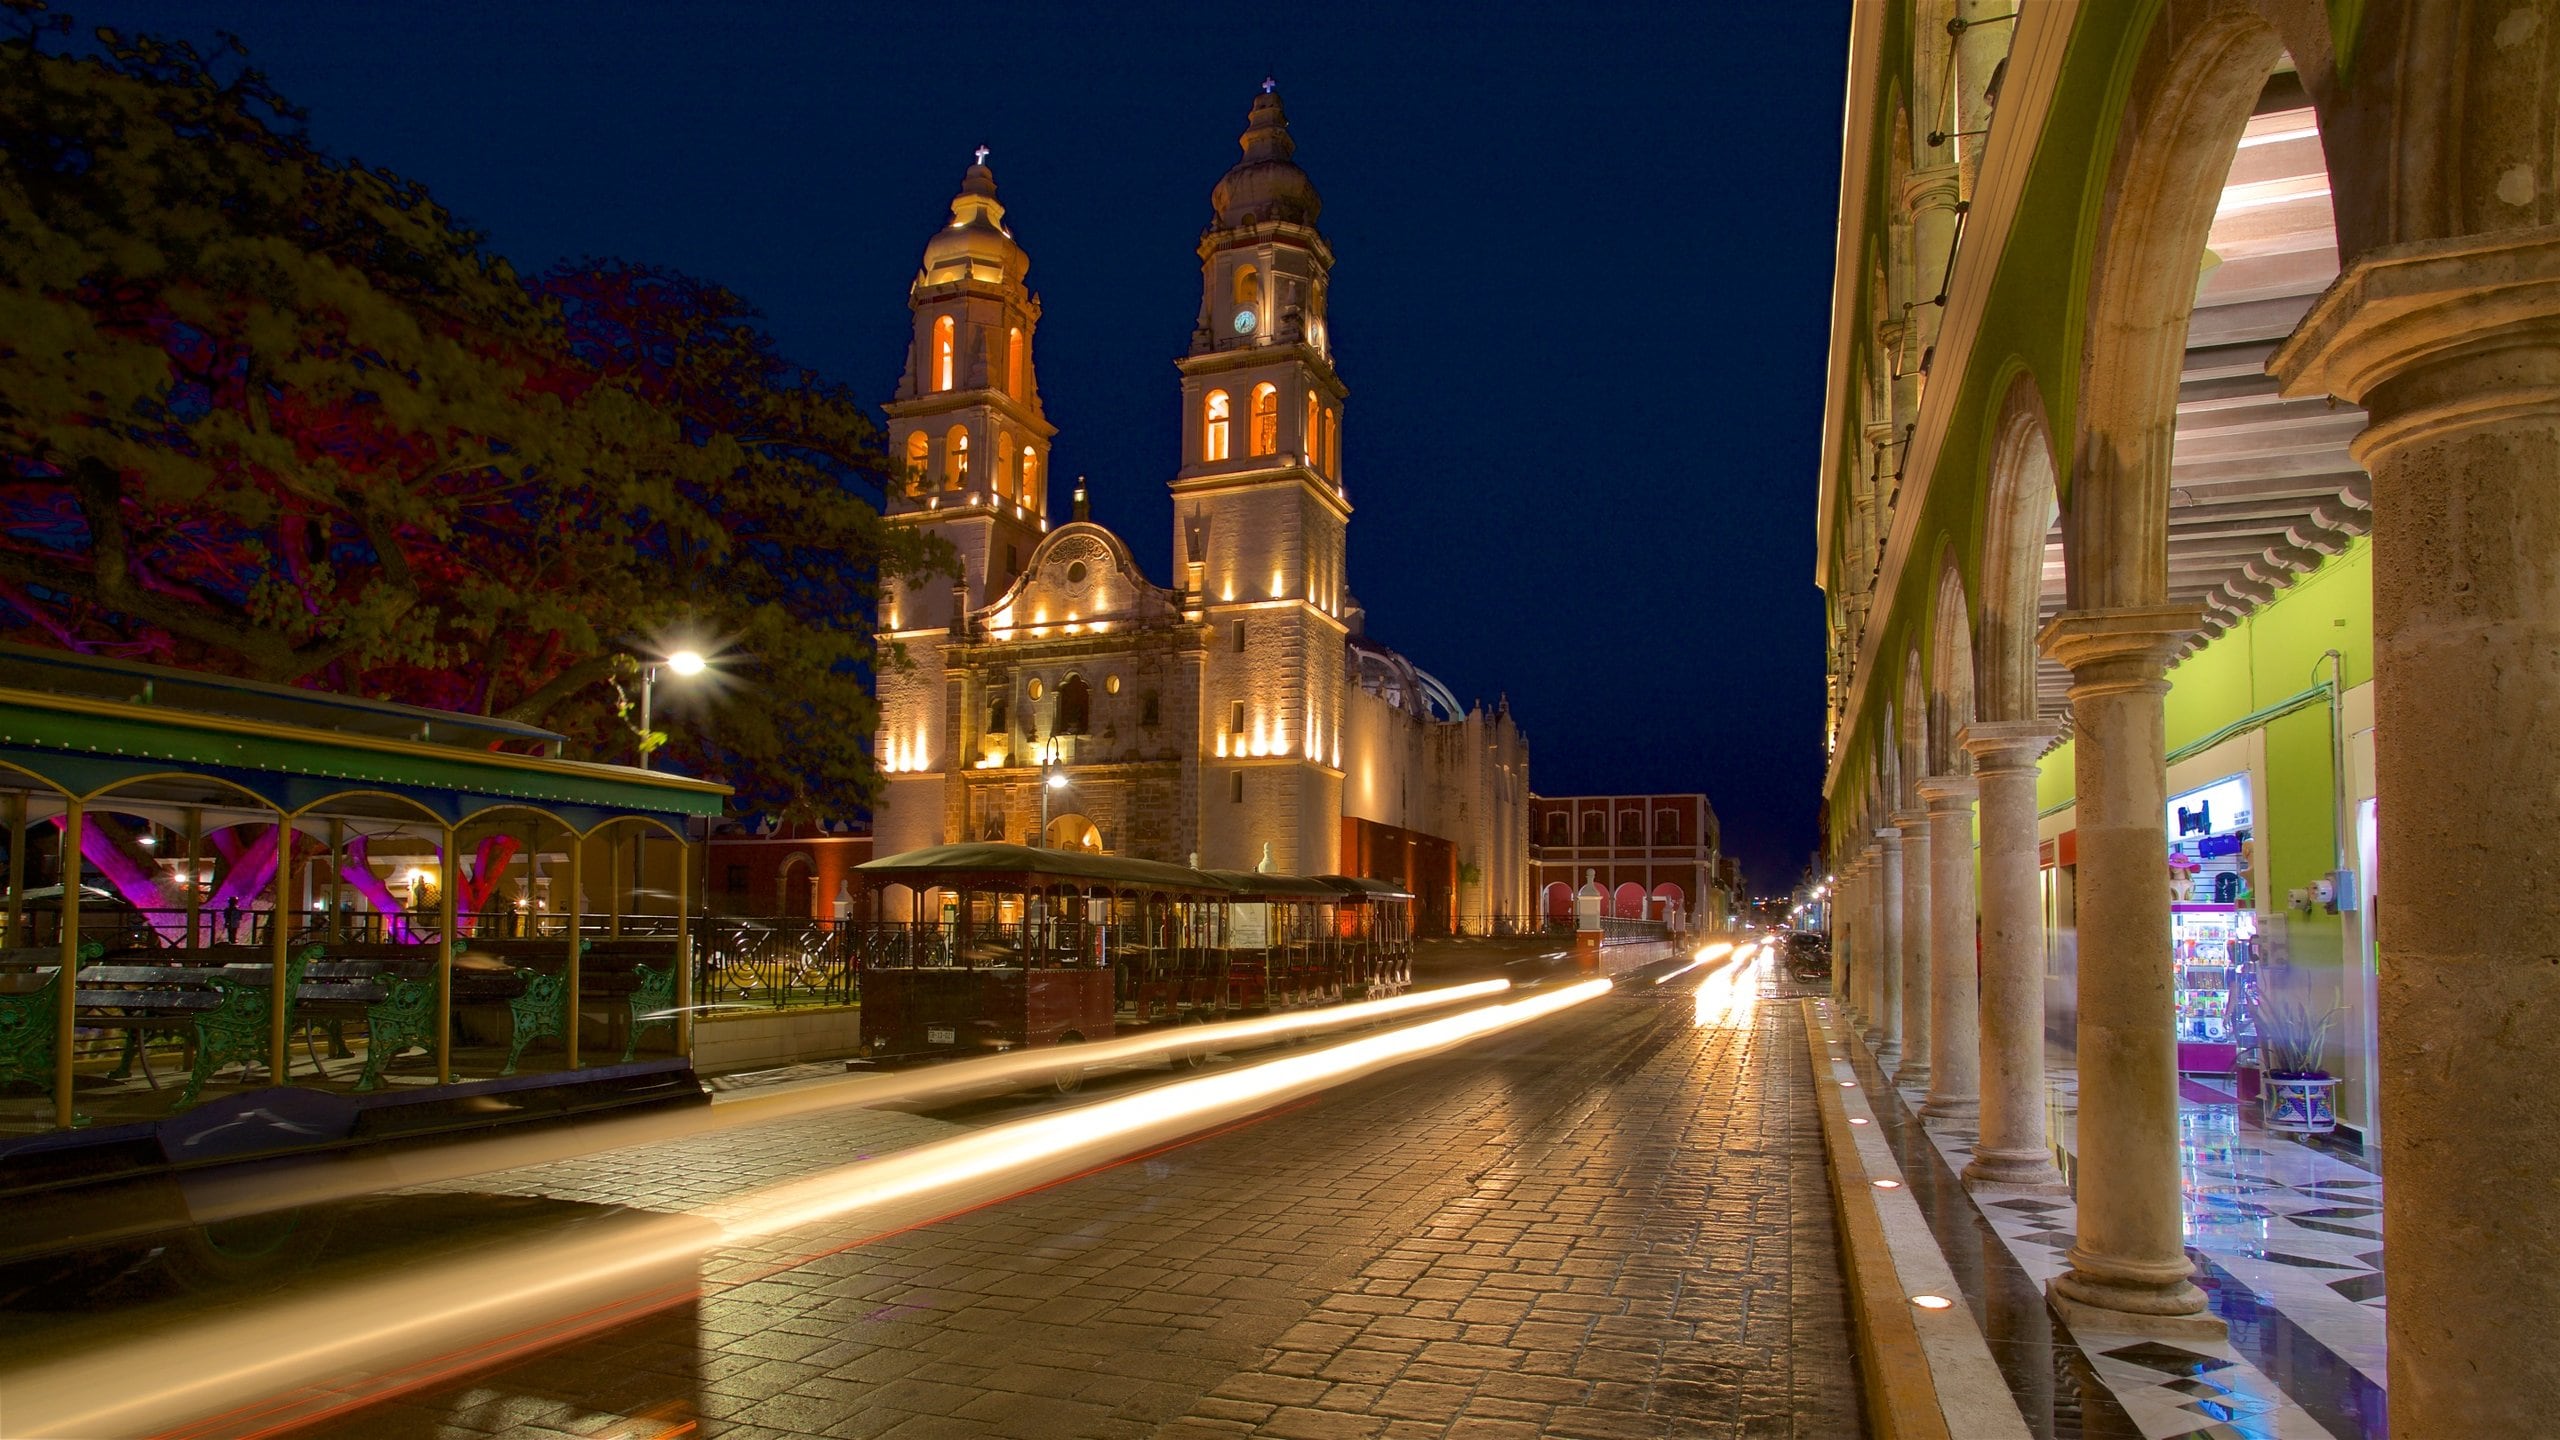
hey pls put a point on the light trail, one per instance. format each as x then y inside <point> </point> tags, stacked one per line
<point>1705,954</point>
<point>288,1183</point>
<point>1731,992</point>
<point>271,1365</point>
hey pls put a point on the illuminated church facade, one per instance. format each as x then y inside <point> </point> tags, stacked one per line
<point>1235,716</point>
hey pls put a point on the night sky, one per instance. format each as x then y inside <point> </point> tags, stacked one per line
<point>1581,293</point>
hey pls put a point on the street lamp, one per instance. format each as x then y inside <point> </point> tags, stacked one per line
<point>1054,780</point>
<point>686,664</point>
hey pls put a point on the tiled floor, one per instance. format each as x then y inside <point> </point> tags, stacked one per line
<point>2287,1241</point>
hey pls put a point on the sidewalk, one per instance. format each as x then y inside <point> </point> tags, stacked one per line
<point>2287,1244</point>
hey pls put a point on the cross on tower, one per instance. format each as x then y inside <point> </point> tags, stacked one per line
<point>982,154</point>
<point>1269,84</point>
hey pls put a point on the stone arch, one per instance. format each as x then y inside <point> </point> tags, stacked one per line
<point>1951,681</point>
<point>2172,155</point>
<point>2018,517</point>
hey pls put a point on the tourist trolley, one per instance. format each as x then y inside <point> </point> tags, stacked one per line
<point>988,947</point>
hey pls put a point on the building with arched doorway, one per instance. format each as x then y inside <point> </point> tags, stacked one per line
<point>1655,854</point>
<point>2185,533</point>
<point>1236,716</point>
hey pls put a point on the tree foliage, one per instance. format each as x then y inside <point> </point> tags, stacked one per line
<point>270,412</point>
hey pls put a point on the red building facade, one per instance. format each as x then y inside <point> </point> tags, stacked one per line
<point>1654,855</point>
<point>796,871</point>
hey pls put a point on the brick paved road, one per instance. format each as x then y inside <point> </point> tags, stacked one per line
<point>1610,1223</point>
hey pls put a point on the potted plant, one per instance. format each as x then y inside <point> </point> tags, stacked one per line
<point>2297,1091</point>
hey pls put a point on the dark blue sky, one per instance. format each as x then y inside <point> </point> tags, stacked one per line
<point>1581,294</point>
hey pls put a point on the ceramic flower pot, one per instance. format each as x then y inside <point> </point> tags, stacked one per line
<point>2300,1104</point>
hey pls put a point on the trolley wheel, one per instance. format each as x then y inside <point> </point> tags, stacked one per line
<point>1071,1079</point>
<point>1194,1059</point>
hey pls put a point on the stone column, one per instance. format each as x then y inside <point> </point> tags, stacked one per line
<point>2130,1263</point>
<point>1887,1032</point>
<point>1914,1071</point>
<point>1955,1071</point>
<point>2454,348</point>
<point>1844,1001</point>
<point>2012,1151</point>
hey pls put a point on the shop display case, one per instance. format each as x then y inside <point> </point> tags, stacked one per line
<point>2207,945</point>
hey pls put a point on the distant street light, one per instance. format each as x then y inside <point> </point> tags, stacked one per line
<point>686,663</point>
<point>1056,780</point>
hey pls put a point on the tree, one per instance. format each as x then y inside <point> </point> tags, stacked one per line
<point>270,412</point>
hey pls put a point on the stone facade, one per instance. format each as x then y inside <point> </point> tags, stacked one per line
<point>1233,718</point>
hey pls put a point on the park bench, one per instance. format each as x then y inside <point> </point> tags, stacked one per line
<point>610,969</point>
<point>27,1001</point>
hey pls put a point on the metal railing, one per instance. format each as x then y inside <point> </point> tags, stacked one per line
<point>778,962</point>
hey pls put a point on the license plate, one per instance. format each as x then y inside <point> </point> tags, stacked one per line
<point>941,1035</point>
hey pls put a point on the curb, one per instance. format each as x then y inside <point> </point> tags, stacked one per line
<point>1900,1390</point>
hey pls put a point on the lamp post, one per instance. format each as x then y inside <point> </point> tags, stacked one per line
<point>1052,779</point>
<point>686,663</point>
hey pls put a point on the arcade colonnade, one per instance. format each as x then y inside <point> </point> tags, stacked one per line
<point>2033,534</point>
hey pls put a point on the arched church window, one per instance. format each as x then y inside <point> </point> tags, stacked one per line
<point>999,714</point>
<point>1266,419</point>
<point>955,458</point>
<point>944,348</point>
<point>919,461</point>
<point>1248,285</point>
<point>1004,465</point>
<point>1030,469</point>
<point>1213,427</point>
<point>1013,363</point>
<point>1075,707</point>
<point>1308,438</point>
<point>1333,442</point>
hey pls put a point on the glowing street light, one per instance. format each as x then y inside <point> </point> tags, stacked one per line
<point>686,664</point>
<point>1054,780</point>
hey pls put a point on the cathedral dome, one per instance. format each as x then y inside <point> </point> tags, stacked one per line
<point>1266,184</point>
<point>975,245</point>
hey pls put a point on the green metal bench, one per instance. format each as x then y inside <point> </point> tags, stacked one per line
<point>27,1016</point>
<point>540,1013</point>
<point>235,1029</point>
<point>653,1005</point>
<point>403,1018</point>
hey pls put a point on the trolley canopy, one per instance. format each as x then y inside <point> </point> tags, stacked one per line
<point>991,865</point>
<point>1365,889</point>
<point>1257,885</point>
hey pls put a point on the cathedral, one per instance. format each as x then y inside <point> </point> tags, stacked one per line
<point>1234,717</point>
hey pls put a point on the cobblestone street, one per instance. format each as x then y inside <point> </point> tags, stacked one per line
<point>1611,1222</point>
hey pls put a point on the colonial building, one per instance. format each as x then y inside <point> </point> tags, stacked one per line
<point>1655,855</point>
<point>2186,528</point>
<point>1235,716</point>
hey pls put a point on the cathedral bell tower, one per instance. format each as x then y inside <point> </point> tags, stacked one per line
<point>1260,511</point>
<point>969,452</point>
<point>968,444</point>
